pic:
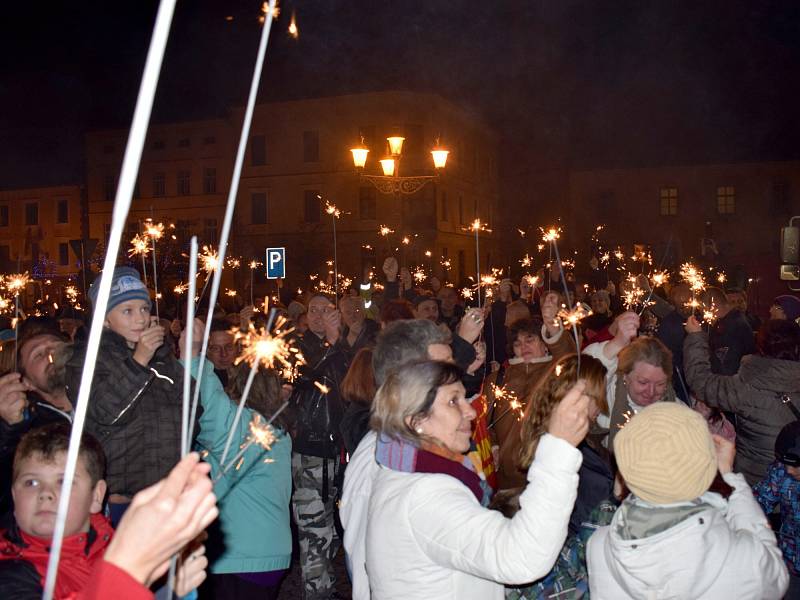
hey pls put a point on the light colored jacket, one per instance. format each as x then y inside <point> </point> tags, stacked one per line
<point>428,537</point>
<point>358,479</point>
<point>722,550</point>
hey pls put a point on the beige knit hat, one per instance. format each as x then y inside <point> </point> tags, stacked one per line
<point>666,454</point>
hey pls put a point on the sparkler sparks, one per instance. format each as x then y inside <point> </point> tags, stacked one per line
<point>526,261</point>
<point>419,275</point>
<point>467,293</point>
<point>18,282</point>
<point>551,234</point>
<point>209,260</point>
<point>254,264</point>
<point>293,30</point>
<point>331,209</point>
<point>571,318</point>
<point>259,346</point>
<point>181,288</point>
<point>385,231</point>
<point>153,230</point>
<point>659,278</point>
<point>139,246</point>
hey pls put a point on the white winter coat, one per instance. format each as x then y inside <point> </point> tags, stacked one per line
<point>726,551</point>
<point>428,536</point>
<point>358,477</point>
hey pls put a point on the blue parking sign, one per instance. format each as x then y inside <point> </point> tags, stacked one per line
<point>276,263</point>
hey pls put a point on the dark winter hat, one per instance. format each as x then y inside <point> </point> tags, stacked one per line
<point>125,285</point>
<point>787,445</point>
<point>790,305</point>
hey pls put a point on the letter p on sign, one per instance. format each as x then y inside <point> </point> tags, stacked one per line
<point>276,263</point>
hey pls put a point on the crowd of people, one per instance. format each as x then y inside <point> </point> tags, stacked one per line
<point>484,448</point>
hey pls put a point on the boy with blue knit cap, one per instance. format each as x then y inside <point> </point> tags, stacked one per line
<point>135,402</point>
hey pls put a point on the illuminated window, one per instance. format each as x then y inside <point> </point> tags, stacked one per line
<point>726,200</point>
<point>669,201</point>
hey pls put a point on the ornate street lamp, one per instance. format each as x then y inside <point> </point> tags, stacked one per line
<point>391,182</point>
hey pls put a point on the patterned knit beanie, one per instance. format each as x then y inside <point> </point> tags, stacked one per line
<point>125,285</point>
<point>666,454</point>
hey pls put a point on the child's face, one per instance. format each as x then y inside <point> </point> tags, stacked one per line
<point>36,490</point>
<point>793,472</point>
<point>129,319</point>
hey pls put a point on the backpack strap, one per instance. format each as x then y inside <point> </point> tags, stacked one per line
<point>787,400</point>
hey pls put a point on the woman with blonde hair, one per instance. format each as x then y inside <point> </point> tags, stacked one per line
<point>429,533</point>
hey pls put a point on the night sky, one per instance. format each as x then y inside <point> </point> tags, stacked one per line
<point>562,82</point>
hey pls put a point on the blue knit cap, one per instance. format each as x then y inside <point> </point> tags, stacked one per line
<point>125,285</point>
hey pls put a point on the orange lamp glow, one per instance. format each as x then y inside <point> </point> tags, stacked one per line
<point>359,157</point>
<point>387,164</point>
<point>439,157</point>
<point>395,145</point>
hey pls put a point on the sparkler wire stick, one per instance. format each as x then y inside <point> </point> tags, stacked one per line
<point>569,304</point>
<point>155,278</point>
<point>16,329</point>
<point>122,204</point>
<point>187,352</point>
<point>335,264</point>
<point>660,265</point>
<point>231,205</point>
<point>245,393</point>
<point>478,263</point>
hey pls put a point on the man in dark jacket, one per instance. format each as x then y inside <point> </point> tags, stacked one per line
<point>730,337</point>
<point>316,444</point>
<point>34,397</point>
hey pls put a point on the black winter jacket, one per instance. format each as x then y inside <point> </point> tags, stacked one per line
<point>134,411</point>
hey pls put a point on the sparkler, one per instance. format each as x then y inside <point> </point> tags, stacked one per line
<point>571,317</point>
<point>122,203</point>
<point>263,435</point>
<point>501,393</point>
<point>186,441</point>
<point>259,347</point>
<point>293,30</point>
<point>526,261</point>
<point>210,262</point>
<point>553,234</point>
<point>154,231</point>
<point>476,227</point>
<point>232,194</point>
<point>419,275</point>
<point>335,213</point>
<point>254,264</point>
<point>15,284</point>
<point>139,247</point>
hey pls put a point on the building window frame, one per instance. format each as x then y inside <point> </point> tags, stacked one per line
<point>184,186</point>
<point>259,207</point>
<point>159,185</point>
<point>62,211</point>
<point>726,200</point>
<point>209,180</point>
<point>31,213</point>
<point>668,201</point>
<point>63,254</point>
<point>5,215</point>
<point>367,203</point>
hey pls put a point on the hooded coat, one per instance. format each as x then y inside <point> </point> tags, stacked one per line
<point>707,549</point>
<point>755,394</point>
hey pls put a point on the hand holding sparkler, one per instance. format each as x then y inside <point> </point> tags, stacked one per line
<point>624,328</point>
<point>550,313</point>
<point>693,325</point>
<point>150,340</point>
<point>13,399</point>
<point>471,325</point>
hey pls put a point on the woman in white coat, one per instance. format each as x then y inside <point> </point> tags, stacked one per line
<point>429,533</point>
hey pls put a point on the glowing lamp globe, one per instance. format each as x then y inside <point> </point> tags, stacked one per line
<point>439,158</point>
<point>395,145</point>
<point>387,164</point>
<point>359,157</point>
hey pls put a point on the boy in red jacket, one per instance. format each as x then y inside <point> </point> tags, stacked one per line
<point>25,545</point>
